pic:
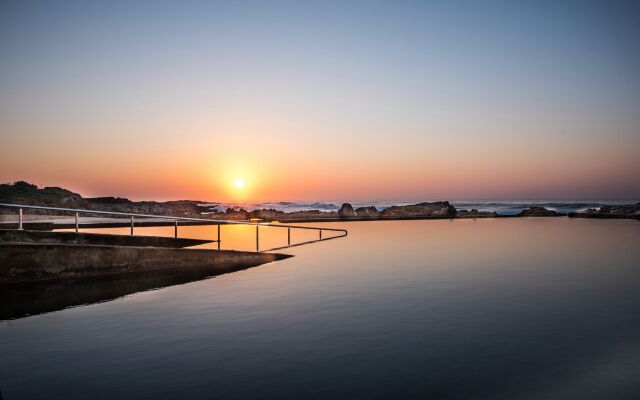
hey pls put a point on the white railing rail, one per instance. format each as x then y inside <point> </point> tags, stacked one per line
<point>177,220</point>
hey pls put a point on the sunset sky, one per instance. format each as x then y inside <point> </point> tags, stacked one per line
<point>322,100</point>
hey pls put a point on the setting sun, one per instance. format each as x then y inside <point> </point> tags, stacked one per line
<point>239,183</point>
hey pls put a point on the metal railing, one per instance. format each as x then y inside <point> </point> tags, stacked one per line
<point>176,220</point>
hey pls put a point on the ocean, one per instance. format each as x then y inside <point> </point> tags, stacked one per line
<point>502,207</point>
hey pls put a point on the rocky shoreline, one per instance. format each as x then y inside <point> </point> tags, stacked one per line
<point>25,193</point>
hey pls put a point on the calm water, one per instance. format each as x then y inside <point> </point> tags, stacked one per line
<point>498,309</point>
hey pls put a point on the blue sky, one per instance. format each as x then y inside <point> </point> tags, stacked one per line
<point>323,99</point>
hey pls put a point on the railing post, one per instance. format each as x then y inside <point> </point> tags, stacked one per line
<point>320,230</point>
<point>175,229</point>
<point>76,222</point>
<point>288,236</point>
<point>257,239</point>
<point>219,237</point>
<point>20,219</point>
<point>132,225</point>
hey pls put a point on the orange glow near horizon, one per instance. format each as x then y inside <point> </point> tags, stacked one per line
<point>275,167</point>
<point>387,178</point>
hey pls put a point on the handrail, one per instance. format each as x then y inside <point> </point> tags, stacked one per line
<point>217,222</point>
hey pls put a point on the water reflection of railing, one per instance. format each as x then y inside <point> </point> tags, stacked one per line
<point>175,221</point>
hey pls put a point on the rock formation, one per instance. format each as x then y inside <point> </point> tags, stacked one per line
<point>474,213</point>
<point>611,211</point>
<point>370,212</point>
<point>538,212</point>
<point>266,215</point>
<point>236,214</point>
<point>26,193</point>
<point>622,210</point>
<point>436,209</point>
<point>346,210</point>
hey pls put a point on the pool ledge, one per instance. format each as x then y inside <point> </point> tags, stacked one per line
<point>40,262</point>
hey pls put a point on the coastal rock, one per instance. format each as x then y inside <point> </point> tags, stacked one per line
<point>186,208</point>
<point>611,211</point>
<point>310,215</point>
<point>538,212</point>
<point>623,209</point>
<point>25,193</point>
<point>420,210</point>
<point>267,214</point>
<point>370,211</point>
<point>474,213</point>
<point>237,214</point>
<point>346,210</point>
